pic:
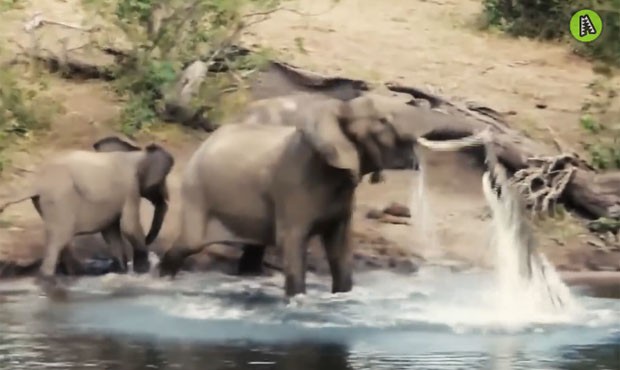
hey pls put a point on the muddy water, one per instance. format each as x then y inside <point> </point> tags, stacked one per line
<point>435,320</point>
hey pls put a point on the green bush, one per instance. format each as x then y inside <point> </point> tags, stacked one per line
<point>24,110</point>
<point>167,35</point>
<point>599,120</point>
<point>549,20</point>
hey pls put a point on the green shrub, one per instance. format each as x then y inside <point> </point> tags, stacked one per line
<point>600,144</point>
<point>167,35</point>
<point>24,110</point>
<point>549,20</point>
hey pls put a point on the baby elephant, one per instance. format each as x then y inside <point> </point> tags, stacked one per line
<point>84,192</point>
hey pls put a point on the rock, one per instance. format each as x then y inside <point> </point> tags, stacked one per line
<point>390,214</point>
<point>405,266</point>
<point>397,210</point>
<point>388,219</point>
<point>374,214</point>
<point>10,269</point>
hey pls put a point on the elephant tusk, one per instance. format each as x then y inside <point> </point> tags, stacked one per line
<point>482,137</point>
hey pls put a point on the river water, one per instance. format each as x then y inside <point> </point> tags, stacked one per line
<point>435,319</point>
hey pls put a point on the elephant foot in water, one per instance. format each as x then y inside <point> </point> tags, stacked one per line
<point>141,263</point>
<point>52,286</point>
<point>251,261</point>
<point>171,262</point>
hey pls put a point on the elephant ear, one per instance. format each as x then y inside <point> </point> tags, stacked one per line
<point>156,166</point>
<point>327,137</point>
<point>114,144</point>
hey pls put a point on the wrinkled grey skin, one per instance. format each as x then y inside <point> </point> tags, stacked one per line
<point>282,185</point>
<point>293,109</point>
<point>84,192</point>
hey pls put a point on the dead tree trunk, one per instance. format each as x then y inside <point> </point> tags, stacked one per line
<point>534,165</point>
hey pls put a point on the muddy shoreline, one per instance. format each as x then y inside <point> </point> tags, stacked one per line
<point>387,242</point>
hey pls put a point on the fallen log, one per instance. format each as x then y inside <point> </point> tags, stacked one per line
<point>596,194</point>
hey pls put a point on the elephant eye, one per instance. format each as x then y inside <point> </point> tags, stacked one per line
<point>383,120</point>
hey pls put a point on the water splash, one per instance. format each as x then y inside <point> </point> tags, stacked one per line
<point>526,287</point>
<point>526,283</point>
<point>425,220</point>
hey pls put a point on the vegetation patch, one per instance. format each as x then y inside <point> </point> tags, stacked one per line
<point>549,20</point>
<point>24,107</point>
<point>168,35</point>
<point>600,121</point>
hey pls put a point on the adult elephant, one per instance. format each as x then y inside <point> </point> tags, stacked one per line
<point>282,185</point>
<point>83,192</point>
<point>292,110</point>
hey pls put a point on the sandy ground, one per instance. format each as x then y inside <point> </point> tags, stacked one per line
<point>429,44</point>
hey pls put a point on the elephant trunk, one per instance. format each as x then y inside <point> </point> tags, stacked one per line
<point>440,133</point>
<point>159,199</point>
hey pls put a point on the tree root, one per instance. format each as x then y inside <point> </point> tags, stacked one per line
<point>544,181</point>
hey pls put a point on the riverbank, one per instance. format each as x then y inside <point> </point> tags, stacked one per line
<point>489,69</point>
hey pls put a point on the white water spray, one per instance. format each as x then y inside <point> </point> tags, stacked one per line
<point>425,220</point>
<point>526,286</point>
<point>526,283</point>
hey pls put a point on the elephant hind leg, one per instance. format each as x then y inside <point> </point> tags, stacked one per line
<point>251,262</point>
<point>58,237</point>
<point>337,243</point>
<point>67,264</point>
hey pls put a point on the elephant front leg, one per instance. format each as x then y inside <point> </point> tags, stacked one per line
<point>337,244</point>
<point>293,244</point>
<point>133,232</point>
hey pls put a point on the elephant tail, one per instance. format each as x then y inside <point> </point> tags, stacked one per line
<point>30,194</point>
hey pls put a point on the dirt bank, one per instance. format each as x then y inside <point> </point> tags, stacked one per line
<point>424,43</point>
